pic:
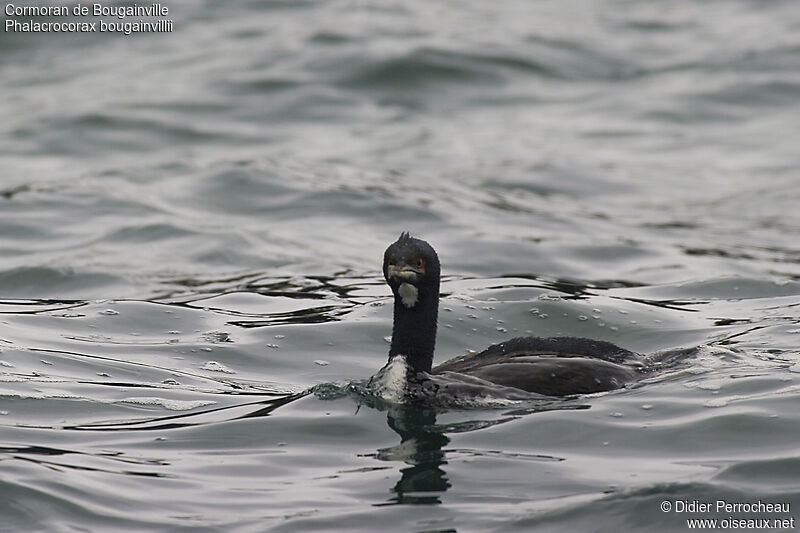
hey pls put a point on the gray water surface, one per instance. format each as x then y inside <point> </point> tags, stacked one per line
<point>192,225</point>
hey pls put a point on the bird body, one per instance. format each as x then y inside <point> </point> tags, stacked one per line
<point>554,366</point>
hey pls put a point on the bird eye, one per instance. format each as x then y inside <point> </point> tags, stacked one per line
<point>420,263</point>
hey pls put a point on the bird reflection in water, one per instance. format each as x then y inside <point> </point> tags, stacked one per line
<point>421,447</point>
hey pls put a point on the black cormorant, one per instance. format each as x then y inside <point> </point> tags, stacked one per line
<point>518,368</point>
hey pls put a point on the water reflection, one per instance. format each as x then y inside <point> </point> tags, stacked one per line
<point>421,447</point>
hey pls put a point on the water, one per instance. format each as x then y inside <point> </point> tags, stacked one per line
<point>191,230</point>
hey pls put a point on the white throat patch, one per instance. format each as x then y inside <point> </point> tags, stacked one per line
<point>408,294</point>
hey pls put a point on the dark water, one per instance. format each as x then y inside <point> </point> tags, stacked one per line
<point>191,230</point>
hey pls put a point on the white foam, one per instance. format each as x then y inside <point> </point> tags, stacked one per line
<point>172,405</point>
<point>40,395</point>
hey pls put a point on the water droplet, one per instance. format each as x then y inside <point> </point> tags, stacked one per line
<point>215,366</point>
<point>543,315</point>
<point>109,312</point>
<point>321,362</point>
<point>46,362</point>
<point>617,414</point>
<point>103,374</point>
<point>273,345</point>
<point>280,336</point>
<point>583,318</point>
<point>647,407</point>
<point>174,332</point>
<point>500,329</point>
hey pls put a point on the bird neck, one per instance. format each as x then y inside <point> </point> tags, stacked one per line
<point>414,330</point>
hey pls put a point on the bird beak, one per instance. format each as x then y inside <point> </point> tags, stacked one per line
<point>402,272</point>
